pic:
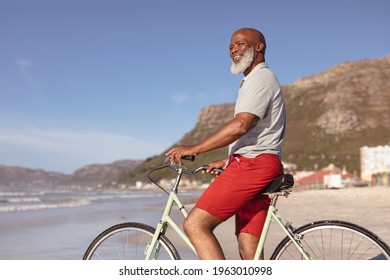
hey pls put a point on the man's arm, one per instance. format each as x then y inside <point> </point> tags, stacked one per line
<point>226,135</point>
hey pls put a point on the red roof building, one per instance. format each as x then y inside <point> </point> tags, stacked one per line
<point>322,179</point>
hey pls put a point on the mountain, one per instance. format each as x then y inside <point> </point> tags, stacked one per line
<point>94,175</point>
<point>334,113</point>
<point>330,115</point>
<point>25,177</point>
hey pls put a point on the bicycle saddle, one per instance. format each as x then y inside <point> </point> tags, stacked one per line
<point>280,183</point>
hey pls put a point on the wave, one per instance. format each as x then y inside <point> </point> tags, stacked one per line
<point>6,194</point>
<point>21,200</point>
<point>107,196</point>
<point>40,206</point>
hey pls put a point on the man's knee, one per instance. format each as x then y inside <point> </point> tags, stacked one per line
<point>247,245</point>
<point>188,225</point>
<point>200,221</point>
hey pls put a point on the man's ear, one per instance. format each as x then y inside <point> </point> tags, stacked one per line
<point>259,47</point>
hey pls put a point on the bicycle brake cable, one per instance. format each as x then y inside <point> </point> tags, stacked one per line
<point>154,182</point>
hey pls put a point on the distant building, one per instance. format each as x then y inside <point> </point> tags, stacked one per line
<point>375,163</point>
<point>327,178</point>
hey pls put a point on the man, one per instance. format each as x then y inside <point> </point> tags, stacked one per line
<point>255,135</point>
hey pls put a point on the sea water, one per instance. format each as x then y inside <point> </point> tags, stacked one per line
<point>29,199</point>
<point>42,223</point>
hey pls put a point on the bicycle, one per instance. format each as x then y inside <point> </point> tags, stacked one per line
<point>320,240</point>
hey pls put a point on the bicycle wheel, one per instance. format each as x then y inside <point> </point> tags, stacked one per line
<point>334,240</point>
<point>128,241</point>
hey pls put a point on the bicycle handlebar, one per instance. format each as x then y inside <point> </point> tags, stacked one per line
<point>180,170</point>
<point>185,170</point>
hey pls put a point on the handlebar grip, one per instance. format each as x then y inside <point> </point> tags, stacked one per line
<point>190,158</point>
<point>217,170</point>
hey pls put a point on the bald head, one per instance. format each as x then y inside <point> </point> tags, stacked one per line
<point>252,35</point>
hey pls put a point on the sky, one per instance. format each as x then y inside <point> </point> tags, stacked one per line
<point>95,81</point>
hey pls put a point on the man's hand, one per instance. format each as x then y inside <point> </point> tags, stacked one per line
<point>178,152</point>
<point>216,164</point>
<point>226,135</point>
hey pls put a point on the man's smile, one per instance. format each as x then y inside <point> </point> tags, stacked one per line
<point>236,57</point>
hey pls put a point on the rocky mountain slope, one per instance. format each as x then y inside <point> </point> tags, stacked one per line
<point>334,113</point>
<point>330,115</point>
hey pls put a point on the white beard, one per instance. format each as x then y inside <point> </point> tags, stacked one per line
<point>244,63</point>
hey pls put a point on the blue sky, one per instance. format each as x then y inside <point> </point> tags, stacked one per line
<point>87,81</point>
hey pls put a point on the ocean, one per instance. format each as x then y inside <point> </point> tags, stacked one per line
<point>59,224</point>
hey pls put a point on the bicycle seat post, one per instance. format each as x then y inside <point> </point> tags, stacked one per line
<point>274,199</point>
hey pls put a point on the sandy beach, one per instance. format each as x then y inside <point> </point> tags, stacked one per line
<point>65,233</point>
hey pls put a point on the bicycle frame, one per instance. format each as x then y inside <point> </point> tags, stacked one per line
<point>166,221</point>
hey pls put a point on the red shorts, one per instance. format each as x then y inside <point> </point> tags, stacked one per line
<point>236,192</point>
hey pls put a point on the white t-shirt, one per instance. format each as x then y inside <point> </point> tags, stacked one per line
<point>261,94</point>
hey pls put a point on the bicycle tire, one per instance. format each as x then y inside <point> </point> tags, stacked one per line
<point>128,241</point>
<point>333,240</point>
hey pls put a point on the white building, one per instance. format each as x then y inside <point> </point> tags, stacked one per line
<point>374,160</point>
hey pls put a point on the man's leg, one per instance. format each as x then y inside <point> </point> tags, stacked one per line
<point>249,224</point>
<point>199,226</point>
<point>247,245</point>
<point>251,216</point>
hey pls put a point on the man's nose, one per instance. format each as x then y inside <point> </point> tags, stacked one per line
<point>233,51</point>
